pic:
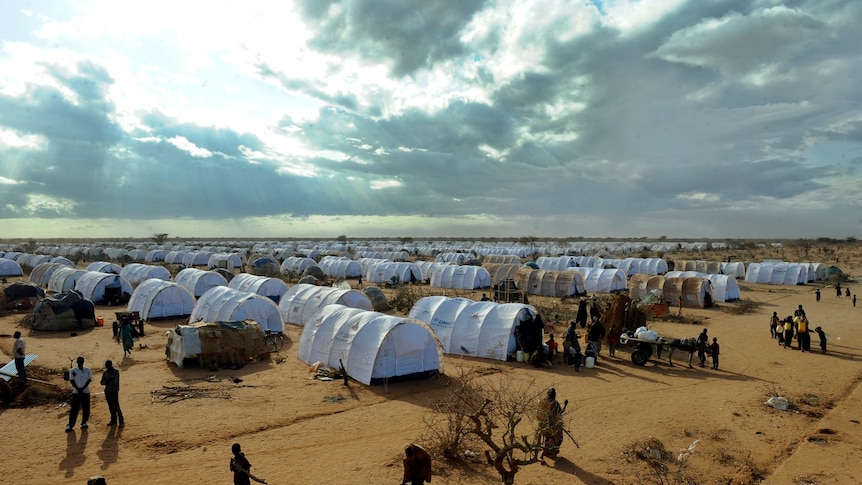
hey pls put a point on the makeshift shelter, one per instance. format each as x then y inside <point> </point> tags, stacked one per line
<point>461,277</point>
<point>223,304</point>
<point>64,279</point>
<point>373,347</point>
<point>271,288</point>
<point>315,271</point>
<point>9,267</point>
<point>137,273</point>
<point>484,329</point>
<point>21,295</point>
<point>199,281</point>
<point>695,292</point>
<point>550,283</point>
<point>299,304</point>
<point>156,298</point>
<point>600,280</point>
<point>104,288</point>
<point>700,266</point>
<point>377,297</point>
<point>501,271</point>
<point>216,344</point>
<point>63,311</point>
<point>501,259</point>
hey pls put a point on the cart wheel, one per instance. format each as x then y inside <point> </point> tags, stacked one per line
<point>646,349</point>
<point>639,357</point>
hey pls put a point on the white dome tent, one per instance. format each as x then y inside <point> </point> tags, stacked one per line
<point>338,267</point>
<point>9,267</point>
<point>41,274</point>
<point>104,267</point>
<point>735,269</point>
<point>223,304</point>
<point>198,281</point>
<point>299,304</point>
<point>556,263</point>
<point>64,279</point>
<point>777,273</point>
<point>137,273</point>
<point>598,280</point>
<point>428,267</point>
<point>384,272</point>
<point>101,287</point>
<point>156,298</point>
<point>724,287</point>
<point>296,264</point>
<point>483,329</point>
<point>374,347</point>
<point>461,277</point>
<point>271,288</point>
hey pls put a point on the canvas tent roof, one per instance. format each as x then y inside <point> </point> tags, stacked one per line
<point>271,288</point>
<point>692,290</point>
<point>724,287</point>
<point>93,285</point>
<point>461,277</point>
<point>374,347</point>
<point>600,280</point>
<point>778,273</point>
<point>157,298</point>
<point>136,273</point>
<point>64,279</point>
<point>223,304</point>
<point>550,283</point>
<point>484,329</point>
<point>41,274</point>
<point>299,304</point>
<point>9,267</point>
<point>198,281</point>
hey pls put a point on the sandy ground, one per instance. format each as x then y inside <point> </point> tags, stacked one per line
<point>297,430</point>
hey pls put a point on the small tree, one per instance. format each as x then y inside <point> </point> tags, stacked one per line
<point>160,238</point>
<point>499,414</point>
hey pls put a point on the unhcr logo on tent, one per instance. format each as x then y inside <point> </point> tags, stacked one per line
<point>441,323</point>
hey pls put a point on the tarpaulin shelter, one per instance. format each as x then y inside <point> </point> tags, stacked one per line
<point>216,344</point>
<point>21,294</point>
<point>63,311</point>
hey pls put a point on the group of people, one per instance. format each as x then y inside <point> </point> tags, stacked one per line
<point>795,326</point>
<point>80,378</point>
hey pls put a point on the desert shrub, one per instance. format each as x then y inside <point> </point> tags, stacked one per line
<point>663,467</point>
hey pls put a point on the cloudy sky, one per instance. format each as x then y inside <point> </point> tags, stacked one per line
<point>320,118</point>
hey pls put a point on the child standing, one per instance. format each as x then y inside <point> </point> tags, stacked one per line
<point>714,350</point>
<point>822,335</point>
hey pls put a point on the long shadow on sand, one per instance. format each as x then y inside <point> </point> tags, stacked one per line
<point>567,466</point>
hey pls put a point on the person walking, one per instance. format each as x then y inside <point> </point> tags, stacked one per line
<point>774,322</point>
<point>803,339</point>
<point>241,467</point>
<point>854,300</point>
<point>111,381</point>
<point>126,336</point>
<point>702,345</point>
<point>822,335</point>
<point>788,332</point>
<point>714,350</point>
<point>817,295</point>
<point>19,352</point>
<point>80,378</point>
<point>551,425</point>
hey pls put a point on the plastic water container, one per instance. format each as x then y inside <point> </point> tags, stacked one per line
<point>589,362</point>
<point>519,355</point>
<point>100,321</point>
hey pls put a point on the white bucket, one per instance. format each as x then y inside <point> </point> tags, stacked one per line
<point>519,355</point>
<point>589,362</point>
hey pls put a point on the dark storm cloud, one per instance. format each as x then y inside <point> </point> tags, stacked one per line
<point>408,36</point>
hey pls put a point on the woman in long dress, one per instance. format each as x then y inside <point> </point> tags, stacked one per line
<point>126,334</point>
<point>552,425</point>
